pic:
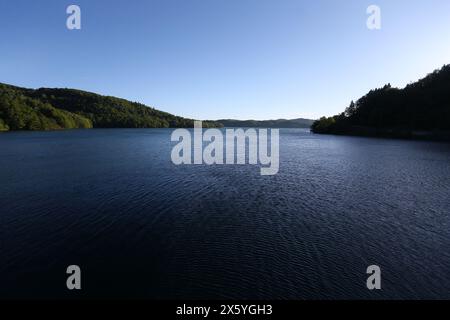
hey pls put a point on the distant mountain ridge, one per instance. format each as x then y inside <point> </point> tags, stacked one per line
<point>280,123</point>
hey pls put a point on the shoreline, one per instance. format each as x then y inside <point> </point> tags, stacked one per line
<point>392,133</point>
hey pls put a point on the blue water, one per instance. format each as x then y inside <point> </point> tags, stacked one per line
<point>112,202</point>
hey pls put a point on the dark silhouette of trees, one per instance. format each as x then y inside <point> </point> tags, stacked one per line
<point>423,106</point>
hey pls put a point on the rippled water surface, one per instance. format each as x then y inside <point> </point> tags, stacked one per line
<point>112,202</point>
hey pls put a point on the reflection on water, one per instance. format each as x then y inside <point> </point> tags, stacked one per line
<point>112,202</point>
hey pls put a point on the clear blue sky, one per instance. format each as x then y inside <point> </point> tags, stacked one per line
<point>210,59</point>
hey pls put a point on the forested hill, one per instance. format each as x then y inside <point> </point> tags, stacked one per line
<point>280,123</point>
<point>421,109</point>
<point>50,109</point>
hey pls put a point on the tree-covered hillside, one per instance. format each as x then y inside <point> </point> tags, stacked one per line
<point>20,111</point>
<point>420,107</point>
<point>49,109</point>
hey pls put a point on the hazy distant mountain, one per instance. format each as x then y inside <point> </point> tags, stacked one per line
<point>50,109</point>
<point>420,110</point>
<point>280,123</point>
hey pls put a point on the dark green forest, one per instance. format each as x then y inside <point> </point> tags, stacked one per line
<point>421,109</point>
<point>52,109</point>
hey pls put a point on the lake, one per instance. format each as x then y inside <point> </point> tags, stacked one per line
<point>112,202</point>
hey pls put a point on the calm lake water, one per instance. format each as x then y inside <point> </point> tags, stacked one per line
<point>112,202</point>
